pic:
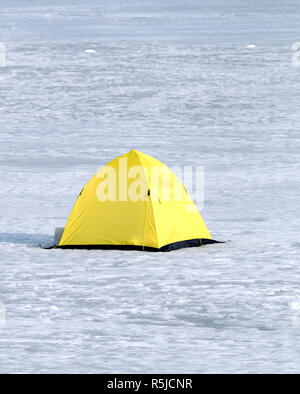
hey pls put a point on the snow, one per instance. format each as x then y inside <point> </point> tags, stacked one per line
<point>175,80</point>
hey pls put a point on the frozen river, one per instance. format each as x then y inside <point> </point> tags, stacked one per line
<point>176,80</point>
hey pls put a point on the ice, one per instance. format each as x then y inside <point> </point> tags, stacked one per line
<point>175,80</point>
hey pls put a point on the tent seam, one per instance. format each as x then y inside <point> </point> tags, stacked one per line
<point>146,174</point>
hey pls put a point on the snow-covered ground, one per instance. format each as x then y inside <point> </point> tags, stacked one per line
<point>191,83</point>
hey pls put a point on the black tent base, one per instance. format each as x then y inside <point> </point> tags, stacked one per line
<point>167,248</point>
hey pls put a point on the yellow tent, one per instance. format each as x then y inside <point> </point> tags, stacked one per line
<point>134,202</point>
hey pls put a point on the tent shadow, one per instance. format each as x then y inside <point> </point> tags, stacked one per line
<point>30,240</point>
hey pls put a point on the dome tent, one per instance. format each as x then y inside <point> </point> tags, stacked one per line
<point>129,204</point>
